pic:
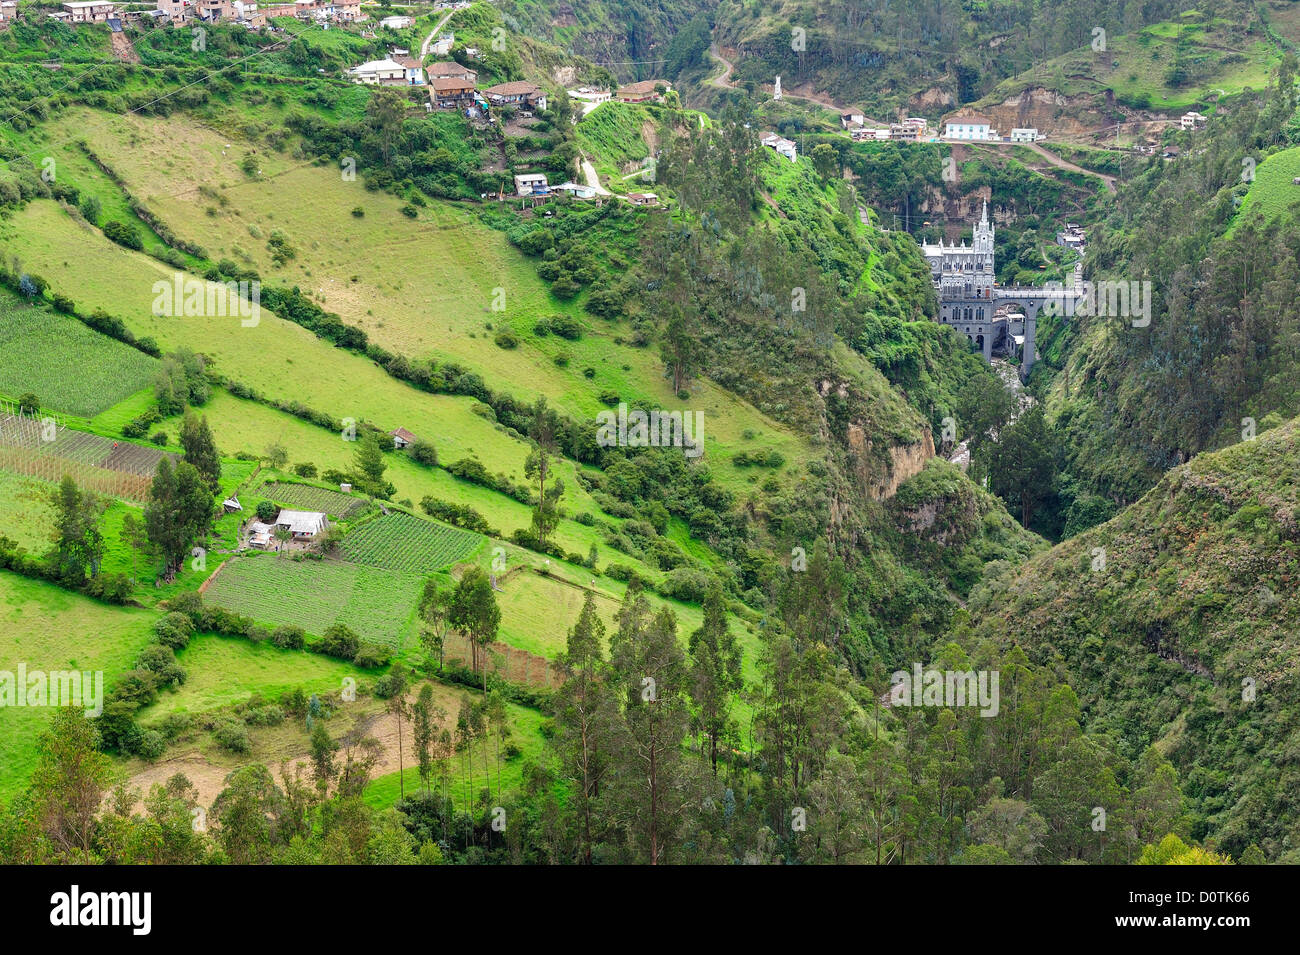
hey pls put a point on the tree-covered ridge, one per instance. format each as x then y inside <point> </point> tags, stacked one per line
<point>1176,623</point>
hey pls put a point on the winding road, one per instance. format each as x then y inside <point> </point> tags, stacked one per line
<point>428,40</point>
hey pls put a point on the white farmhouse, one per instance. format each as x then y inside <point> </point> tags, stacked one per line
<point>303,525</point>
<point>1027,134</point>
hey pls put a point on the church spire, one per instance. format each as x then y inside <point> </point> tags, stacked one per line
<point>984,215</point>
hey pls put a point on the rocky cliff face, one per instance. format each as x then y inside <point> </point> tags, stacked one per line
<point>879,475</point>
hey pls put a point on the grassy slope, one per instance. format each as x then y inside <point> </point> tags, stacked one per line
<point>1137,64</point>
<point>47,628</point>
<point>1273,192</point>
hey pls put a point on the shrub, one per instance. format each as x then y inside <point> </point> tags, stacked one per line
<point>266,511</point>
<point>371,655</point>
<point>506,339</point>
<point>174,630</point>
<point>305,470</point>
<point>232,735</point>
<point>123,234</point>
<point>340,642</point>
<point>150,745</point>
<point>161,661</point>
<point>289,637</point>
<point>424,452</point>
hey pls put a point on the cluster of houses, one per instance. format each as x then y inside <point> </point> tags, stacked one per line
<point>399,68</point>
<point>451,85</point>
<point>1073,237</point>
<point>178,12</point>
<point>912,129</point>
<point>300,527</point>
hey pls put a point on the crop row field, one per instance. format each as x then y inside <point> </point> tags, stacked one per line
<point>408,544</point>
<point>314,594</point>
<point>69,367</point>
<point>305,497</point>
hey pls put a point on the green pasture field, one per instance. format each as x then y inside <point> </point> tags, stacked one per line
<point>379,605</point>
<point>48,628</point>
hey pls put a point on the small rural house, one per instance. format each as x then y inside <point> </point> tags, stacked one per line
<point>643,198</point>
<point>1024,134</point>
<point>531,184</point>
<point>396,23</point>
<point>231,504</point>
<point>851,118</point>
<point>641,92</point>
<point>586,94</point>
<point>904,132</point>
<point>451,92</point>
<point>442,46</point>
<point>517,92</point>
<point>414,74</point>
<point>8,11</point>
<point>89,11</point>
<point>402,438</point>
<point>968,127</point>
<point>785,147</point>
<point>450,70</point>
<point>303,525</point>
<point>379,73</point>
<point>260,535</point>
<point>1191,120</point>
<point>577,190</point>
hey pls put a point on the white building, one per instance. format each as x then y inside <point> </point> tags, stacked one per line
<point>531,184</point>
<point>1026,134</point>
<point>852,118</point>
<point>302,524</point>
<point>1190,120</point>
<point>785,147</point>
<point>396,23</point>
<point>969,127</point>
<point>8,11</point>
<point>88,11</point>
<point>577,190</point>
<point>442,46</point>
<point>379,73</point>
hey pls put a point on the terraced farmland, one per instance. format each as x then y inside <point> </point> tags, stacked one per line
<point>408,544</point>
<point>305,497</point>
<point>378,604</point>
<point>71,368</point>
<point>39,448</point>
